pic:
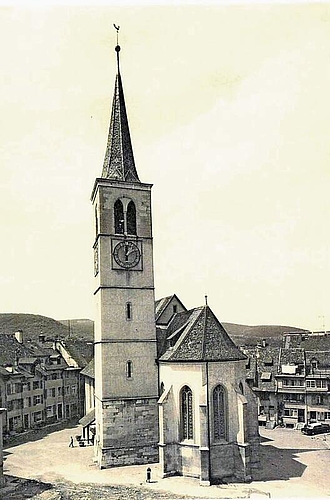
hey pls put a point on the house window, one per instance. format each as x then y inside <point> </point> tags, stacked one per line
<point>162,387</point>
<point>49,410</point>
<point>37,400</point>
<point>73,390</point>
<point>219,413</point>
<point>128,311</point>
<point>186,413</point>
<point>314,364</point>
<point>37,416</point>
<point>51,392</point>
<point>175,309</point>
<point>119,217</point>
<point>26,386</point>
<point>131,218</point>
<point>129,369</point>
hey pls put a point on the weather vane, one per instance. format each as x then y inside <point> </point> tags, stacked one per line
<point>117,28</point>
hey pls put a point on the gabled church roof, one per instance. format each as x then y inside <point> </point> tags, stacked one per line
<point>119,159</point>
<point>203,338</point>
<point>161,304</point>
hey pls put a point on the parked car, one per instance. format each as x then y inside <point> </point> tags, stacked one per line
<point>316,428</point>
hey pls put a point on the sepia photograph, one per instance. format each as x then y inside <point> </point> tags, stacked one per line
<point>164,264</point>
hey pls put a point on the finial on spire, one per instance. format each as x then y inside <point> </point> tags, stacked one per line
<point>117,48</point>
<point>206,300</point>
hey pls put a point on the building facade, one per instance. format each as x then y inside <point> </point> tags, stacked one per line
<point>178,387</point>
<point>126,377</point>
<point>37,386</point>
<point>292,383</point>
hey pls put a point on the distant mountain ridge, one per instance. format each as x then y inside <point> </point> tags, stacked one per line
<point>34,324</point>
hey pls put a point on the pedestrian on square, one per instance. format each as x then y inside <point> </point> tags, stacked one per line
<point>71,442</point>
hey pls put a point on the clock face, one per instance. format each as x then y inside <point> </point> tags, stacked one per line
<point>126,254</point>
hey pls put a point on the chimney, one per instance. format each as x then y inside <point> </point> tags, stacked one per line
<point>19,336</point>
<point>264,343</point>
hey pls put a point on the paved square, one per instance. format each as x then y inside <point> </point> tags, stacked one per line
<point>292,466</point>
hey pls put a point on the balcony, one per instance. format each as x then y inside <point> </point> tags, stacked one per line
<point>294,404</point>
<point>296,389</point>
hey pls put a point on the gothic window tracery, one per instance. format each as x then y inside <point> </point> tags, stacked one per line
<point>219,413</point>
<point>186,401</point>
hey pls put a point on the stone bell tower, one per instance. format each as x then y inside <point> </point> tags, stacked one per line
<point>126,374</point>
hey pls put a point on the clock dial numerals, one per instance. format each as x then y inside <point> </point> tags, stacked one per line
<point>126,254</point>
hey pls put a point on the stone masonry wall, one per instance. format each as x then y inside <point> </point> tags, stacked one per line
<point>130,432</point>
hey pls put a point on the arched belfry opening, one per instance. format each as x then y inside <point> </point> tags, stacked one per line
<point>119,217</point>
<point>125,217</point>
<point>131,218</point>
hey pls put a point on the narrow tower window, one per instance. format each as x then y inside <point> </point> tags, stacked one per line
<point>129,369</point>
<point>186,413</point>
<point>219,413</point>
<point>119,217</point>
<point>96,221</point>
<point>131,218</point>
<point>128,310</point>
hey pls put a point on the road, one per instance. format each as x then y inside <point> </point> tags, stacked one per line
<point>292,466</point>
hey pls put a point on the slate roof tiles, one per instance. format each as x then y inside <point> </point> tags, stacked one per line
<point>203,338</point>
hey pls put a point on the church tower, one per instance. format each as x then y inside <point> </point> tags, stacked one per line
<point>126,373</point>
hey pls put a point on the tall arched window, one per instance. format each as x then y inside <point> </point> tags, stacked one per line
<point>119,217</point>
<point>162,388</point>
<point>187,428</point>
<point>131,218</point>
<point>219,413</point>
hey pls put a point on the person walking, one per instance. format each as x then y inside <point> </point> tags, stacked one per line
<point>71,442</point>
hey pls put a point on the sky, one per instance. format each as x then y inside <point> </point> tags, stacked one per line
<point>229,109</point>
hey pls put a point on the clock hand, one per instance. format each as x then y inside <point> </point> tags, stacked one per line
<point>131,251</point>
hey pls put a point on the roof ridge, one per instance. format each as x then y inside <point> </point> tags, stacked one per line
<point>183,335</point>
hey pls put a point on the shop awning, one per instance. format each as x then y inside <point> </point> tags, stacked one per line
<point>87,419</point>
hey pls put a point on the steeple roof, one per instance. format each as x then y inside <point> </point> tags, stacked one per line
<point>119,159</point>
<point>201,337</point>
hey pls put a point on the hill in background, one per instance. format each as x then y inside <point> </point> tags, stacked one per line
<point>251,335</point>
<point>33,325</point>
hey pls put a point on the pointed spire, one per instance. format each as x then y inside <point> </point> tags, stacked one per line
<point>119,159</point>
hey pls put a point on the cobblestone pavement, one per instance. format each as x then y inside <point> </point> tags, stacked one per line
<point>292,466</point>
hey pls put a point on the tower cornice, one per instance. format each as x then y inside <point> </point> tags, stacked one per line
<point>115,183</point>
